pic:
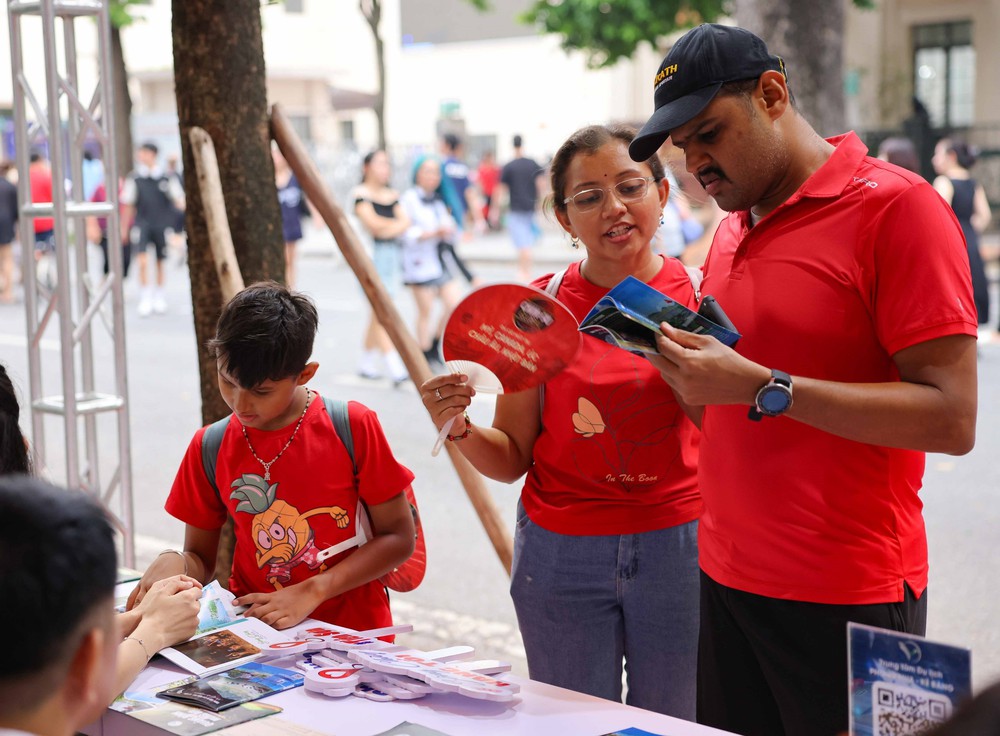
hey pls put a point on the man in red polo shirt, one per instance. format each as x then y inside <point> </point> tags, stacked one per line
<point>848,280</point>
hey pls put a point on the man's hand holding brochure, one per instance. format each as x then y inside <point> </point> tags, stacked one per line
<point>629,317</point>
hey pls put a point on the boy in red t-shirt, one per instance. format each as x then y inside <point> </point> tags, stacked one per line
<point>287,481</point>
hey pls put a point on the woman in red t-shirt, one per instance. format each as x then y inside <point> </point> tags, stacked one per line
<point>605,557</point>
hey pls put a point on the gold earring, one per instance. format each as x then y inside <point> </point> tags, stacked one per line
<point>574,241</point>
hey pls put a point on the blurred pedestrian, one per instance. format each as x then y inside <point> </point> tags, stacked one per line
<point>487,177</point>
<point>377,207</point>
<point>40,183</point>
<point>97,232</point>
<point>953,159</point>
<point>901,152</point>
<point>8,232</point>
<point>424,270</point>
<point>519,186</point>
<point>293,209</point>
<point>151,197</point>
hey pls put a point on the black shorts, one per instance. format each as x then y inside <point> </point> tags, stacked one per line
<point>768,666</point>
<point>155,235</point>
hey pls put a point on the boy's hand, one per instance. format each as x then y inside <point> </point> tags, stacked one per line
<point>283,608</point>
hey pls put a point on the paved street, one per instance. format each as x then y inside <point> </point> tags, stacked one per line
<point>464,597</point>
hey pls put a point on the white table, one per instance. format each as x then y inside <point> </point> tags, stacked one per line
<point>537,709</point>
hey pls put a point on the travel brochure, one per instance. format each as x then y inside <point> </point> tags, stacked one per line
<point>185,720</point>
<point>231,688</point>
<point>903,684</point>
<point>629,317</point>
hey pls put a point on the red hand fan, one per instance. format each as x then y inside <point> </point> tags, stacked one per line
<point>520,334</point>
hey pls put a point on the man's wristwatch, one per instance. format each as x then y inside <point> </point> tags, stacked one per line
<point>774,397</point>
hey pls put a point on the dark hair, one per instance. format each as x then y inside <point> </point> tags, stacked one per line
<point>588,141</point>
<point>965,155</point>
<point>901,152</point>
<point>979,716</point>
<point>366,161</point>
<point>151,147</point>
<point>517,141</point>
<point>58,573</point>
<point>265,332</point>
<point>745,87</point>
<point>13,454</point>
<point>451,141</point>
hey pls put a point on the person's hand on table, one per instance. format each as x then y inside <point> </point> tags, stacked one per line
<point>168,564</point>
<point>169,612</point>
<point>283,608</point>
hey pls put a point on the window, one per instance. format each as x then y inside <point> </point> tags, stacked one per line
<point>302,125</point>
<point>944,67</point>
<point>347,131</point>
<point>294,6</point>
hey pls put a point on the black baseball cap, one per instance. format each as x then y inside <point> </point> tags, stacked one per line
<point>693,72</point>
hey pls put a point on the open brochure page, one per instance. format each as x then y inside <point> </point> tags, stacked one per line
<point>629,317</point>
<point>224,648</point>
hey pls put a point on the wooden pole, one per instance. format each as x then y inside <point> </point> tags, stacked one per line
<point>219,237</point>
<point>230,281</point>
<point>385,311</point>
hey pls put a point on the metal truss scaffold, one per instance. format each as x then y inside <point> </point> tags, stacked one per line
<point>86,311</point>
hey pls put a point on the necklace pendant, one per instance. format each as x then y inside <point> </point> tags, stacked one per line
<point>267,476</point>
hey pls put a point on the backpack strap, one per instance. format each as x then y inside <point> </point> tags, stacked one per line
<point>552,289</point>
<point>210,443</point>
<point>337,410</point>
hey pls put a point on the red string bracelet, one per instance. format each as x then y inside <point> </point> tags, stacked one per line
<point>466,433</point>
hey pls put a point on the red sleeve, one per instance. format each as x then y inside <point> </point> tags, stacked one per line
<point>380,475</point>
<point>922,285</point>
<point>192,498</point>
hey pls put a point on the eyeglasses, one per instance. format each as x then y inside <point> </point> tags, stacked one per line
<point>630,190</point>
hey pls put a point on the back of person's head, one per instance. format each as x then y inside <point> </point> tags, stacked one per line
<point>35,156</point>
<point>265,332</point>
<point>451,141</point>
<point>517,141</point>
<point>977,717</point>
<point>58,580</point>
<point>14,457</point>
<point>965,155</point>
<point>901,152</point>
<point>586,142</point>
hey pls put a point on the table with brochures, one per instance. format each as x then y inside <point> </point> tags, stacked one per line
<point>536,709</point>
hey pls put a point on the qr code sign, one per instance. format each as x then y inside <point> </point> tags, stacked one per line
<point>898,710</point>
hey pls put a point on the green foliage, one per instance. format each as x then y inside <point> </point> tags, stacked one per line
<point>120,12</point>
<point>609,30</point>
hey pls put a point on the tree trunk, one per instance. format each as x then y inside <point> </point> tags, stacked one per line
<point>219,82</point>
<point>123,104</point>
<point>372,11</point>
<point>809,37</point>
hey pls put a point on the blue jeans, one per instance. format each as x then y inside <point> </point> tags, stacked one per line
<point>585,604</point>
